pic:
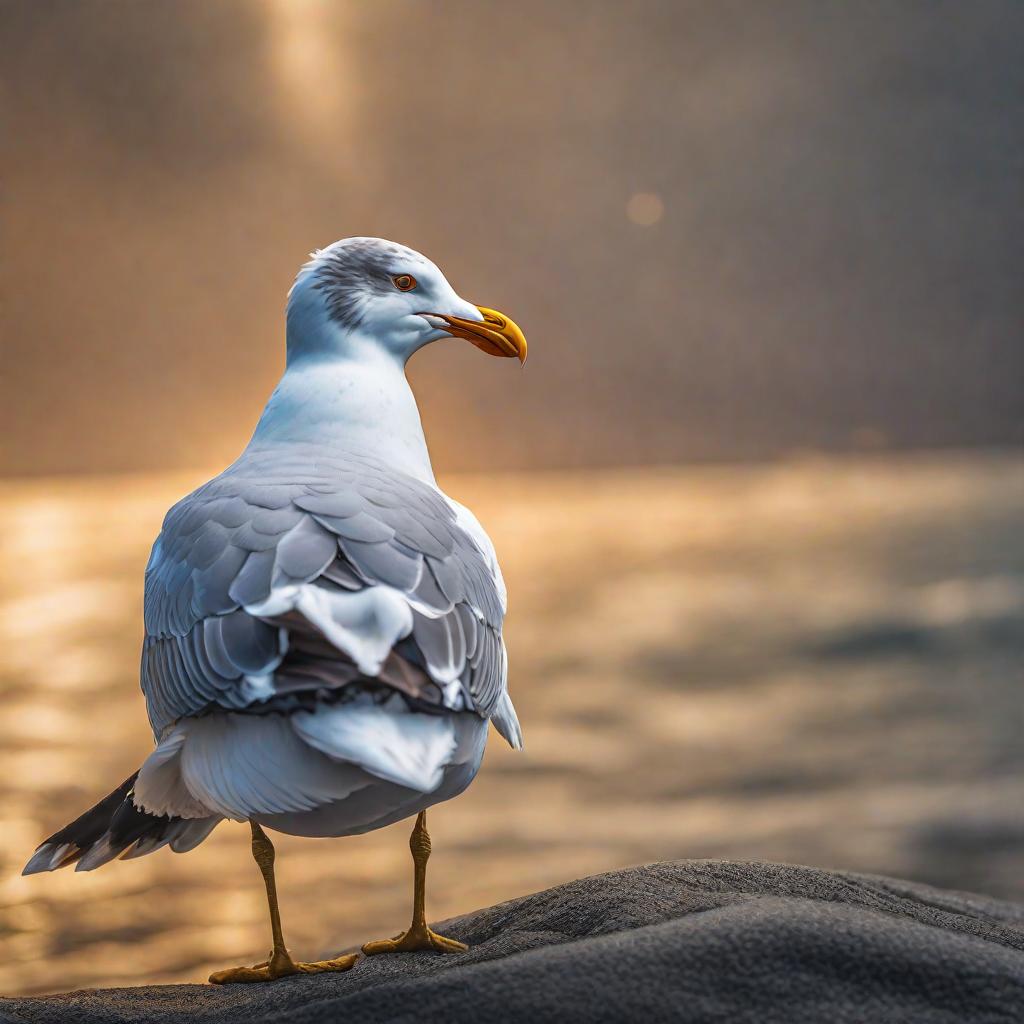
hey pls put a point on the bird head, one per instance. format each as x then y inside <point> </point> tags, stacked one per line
<point>361,292</point>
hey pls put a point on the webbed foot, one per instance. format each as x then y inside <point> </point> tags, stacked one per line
<point>414,939</point>
<point>280,966</point>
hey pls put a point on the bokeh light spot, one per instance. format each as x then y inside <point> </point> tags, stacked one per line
<point>645,209</point>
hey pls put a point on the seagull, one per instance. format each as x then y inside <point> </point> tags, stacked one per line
<point>323,625</point>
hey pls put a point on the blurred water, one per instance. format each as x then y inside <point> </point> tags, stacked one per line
<point>817,661</point>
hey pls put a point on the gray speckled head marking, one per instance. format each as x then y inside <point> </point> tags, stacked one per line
<point>353,269</point>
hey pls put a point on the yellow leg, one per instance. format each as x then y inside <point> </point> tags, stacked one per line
<point>280,964</point>
<point>419,936</point>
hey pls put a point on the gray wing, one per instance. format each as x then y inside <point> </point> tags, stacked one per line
<point>292,517</point>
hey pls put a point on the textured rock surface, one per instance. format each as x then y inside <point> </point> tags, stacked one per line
<point>685,941</point>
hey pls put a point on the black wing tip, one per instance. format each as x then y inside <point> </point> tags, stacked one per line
<point>97,836</point>
<point>116,828</point>
<point>50,856</point>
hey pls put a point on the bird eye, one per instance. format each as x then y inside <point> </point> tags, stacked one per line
<point>404,282</point>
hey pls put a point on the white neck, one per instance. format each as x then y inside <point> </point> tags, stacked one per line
<point>360,401</point>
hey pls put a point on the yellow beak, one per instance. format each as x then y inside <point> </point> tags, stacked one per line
<point>496,335</point>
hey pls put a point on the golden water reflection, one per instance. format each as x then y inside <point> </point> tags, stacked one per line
<point>817,661</point>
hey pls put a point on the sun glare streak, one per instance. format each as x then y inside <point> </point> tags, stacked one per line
<point>308,60</point>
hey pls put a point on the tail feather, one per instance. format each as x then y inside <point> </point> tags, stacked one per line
<point>115,827</point>
<point>506,721</point>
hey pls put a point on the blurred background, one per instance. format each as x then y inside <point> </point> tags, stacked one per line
<point>758,494</point>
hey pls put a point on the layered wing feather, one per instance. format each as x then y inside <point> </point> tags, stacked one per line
<point>299,570</point>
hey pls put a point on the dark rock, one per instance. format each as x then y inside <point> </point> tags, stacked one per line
<point>694,941</point>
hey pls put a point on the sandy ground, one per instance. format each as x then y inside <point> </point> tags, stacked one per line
<point>817,662</point>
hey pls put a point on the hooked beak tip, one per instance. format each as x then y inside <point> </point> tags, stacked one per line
<point>496,334</point>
